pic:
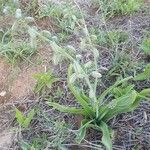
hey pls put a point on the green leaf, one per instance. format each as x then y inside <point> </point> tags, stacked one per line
<point>120,105</point>
<point>120,91</point>
<point>102,96</point>
<point>66,109</point>
<point>146,46</point>
<point>77,95</point>
<point>29,118</point>
<point>82,131</point>
<point>19,116</point>
<point>44,80</point>
<point>145,75</point>
<point>145,94</point>
<point>106,140</point>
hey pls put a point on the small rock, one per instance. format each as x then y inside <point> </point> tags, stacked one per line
<point>3,93</point>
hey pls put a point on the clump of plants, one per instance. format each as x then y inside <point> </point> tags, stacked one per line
<point>97,109</point>
<point>65,16</point>
<point>44,81</point>
<point>8,7</point>
<point>19,41</point>
<point>109,38</point>
<point>116,7</point>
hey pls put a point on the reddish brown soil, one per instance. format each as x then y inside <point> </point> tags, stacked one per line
<point>18,82</point>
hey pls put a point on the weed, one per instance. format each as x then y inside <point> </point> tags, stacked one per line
<point>97,109</point>
<point>109,38</point>
<point>144,75</point>
<point>44,80</point>
<point>146,46</point>
<point>23,120</point>
<point>13,45</point>
<point>65,16</point>
<point>116,7</point>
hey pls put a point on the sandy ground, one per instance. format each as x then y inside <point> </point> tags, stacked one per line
<point>18,82</point>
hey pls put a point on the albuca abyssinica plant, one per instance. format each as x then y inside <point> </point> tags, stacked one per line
<point>97,109</point>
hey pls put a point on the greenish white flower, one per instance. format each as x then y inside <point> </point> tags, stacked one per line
<point>6,9</point>
<point>96,74</point>
<point>91,94</point>
<point>18,13</point>
<point>30,19</point>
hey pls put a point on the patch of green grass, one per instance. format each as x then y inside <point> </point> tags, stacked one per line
<point>21,40</point>
<point>109,39</point>
<point>119,7</point>
<point>16,51</point>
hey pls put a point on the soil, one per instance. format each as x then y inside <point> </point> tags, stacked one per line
<point>18,81</point>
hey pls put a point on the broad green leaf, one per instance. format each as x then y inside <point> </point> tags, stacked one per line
<point>82,94</point>
<point>29,118</point>
<point>82,131</point>
<point>66,109</point>
<point>79,98</point>
<point>19,116</point>
<point>120,105</point>
<point>145,75</point>
<point>145,92</point>
<point>106,140</point>
<point>120,91</point>
<point>102,96</point>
